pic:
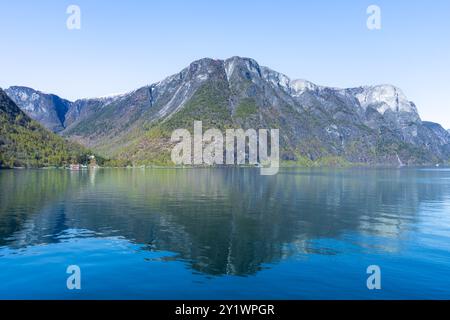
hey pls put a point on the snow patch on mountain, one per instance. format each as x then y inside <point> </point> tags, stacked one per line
<point>299,86</point>
<point>276,78</point>
<point>229,66</point>
<point>385,97</point>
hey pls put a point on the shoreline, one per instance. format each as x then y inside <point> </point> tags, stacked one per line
<point>348,166</point>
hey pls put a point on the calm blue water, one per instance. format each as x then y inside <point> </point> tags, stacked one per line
<point>225,233</point>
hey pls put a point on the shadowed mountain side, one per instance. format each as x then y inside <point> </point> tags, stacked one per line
<point>25,143</point>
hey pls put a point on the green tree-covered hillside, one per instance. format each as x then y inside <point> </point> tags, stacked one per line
<point>25,143</point>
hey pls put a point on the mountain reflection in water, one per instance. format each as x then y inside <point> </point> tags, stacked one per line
<point>230,222</point>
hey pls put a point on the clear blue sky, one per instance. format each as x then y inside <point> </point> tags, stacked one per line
<point>123,45</point>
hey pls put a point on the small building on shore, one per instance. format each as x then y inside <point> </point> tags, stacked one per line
<point>75,166</point>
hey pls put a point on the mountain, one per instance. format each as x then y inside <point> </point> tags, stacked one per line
<point>440,134</point>
<point>48,109</point>
<point>368,124</point>
<point>25,143</point>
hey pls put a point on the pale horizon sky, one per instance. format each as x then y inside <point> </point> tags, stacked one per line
<point>124,45</point>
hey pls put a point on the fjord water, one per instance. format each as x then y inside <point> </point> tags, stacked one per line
<point>225,233</point>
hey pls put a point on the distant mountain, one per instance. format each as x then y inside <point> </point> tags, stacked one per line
<point>369,124</point>
<point>49,109</point>
<point>25,143</point>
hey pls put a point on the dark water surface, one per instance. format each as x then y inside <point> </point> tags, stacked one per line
<point>225,233</point>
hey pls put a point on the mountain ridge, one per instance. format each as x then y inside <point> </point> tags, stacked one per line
<point>369,124</point>
<point>298,86</point>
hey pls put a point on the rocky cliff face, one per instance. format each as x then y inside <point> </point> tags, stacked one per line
<point>48,109</point>
<point>369,124</point>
